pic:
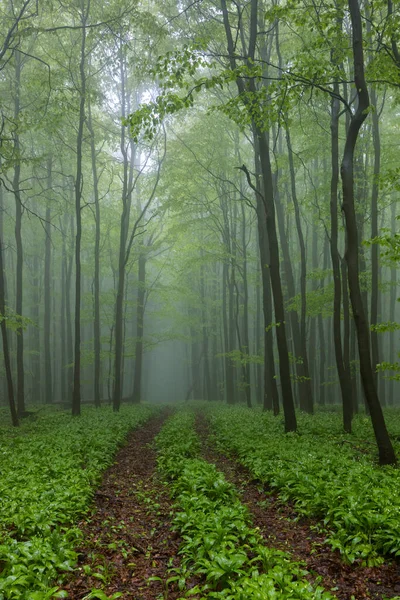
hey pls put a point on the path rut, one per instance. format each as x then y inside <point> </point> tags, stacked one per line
<point>127,536</point>
<point>300,538</point>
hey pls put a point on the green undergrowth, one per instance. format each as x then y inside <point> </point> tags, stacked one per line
<point>219,544</point>
<point>326,474</point>
<point>48,473</point>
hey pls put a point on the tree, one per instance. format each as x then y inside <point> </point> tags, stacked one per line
<point>385,448</point>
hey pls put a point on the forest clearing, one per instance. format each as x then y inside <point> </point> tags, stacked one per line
<point>191,507</point>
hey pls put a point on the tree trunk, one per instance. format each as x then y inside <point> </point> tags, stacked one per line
<point>392,306</point>
<point>127,151</point>
<point>47,295</point>
<point>246,341</point>
<point>63,369</point>
<point>386,452</point>
<point>68,312</point>
<point>35,335</point>
<point>4,335</point>
<point>9,388</point>
<point>374,234</point>
<point>353,369</point>
<point>141,294</point>
<point>96,281</point>
<point>18,240</point>
<point>312,345</point>
<point>305,382</point>
<point>268,199</point>
<point>76,393</point>
<point>291,293</point>
<point>322,344</point>
<point>276,284</point>
<point>344,376</point>
<point>229,385</point>
<point>270,391</point>
<point>207,377</point>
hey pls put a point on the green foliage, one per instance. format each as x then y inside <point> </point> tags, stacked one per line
<point>387,366</point>
<point>383,327</point>
<point>48,471</point>
<point>15,322</point>
<point>389,243</point>
<point>327,475</point>
<point>219,543</point>
<point>242,358</point>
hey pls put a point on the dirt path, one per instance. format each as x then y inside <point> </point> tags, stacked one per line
<point>127,537</point>
<point>300,539</point>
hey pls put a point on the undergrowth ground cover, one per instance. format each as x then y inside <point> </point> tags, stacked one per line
<point>328,475</point>
<point>48,473</point>
<point>219,542</point>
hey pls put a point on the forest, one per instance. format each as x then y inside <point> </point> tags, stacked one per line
<point>199,307</point>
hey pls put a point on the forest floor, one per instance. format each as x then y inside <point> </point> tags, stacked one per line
<point>280,527</point>
<point>128,545</point>
<point>127,538</point>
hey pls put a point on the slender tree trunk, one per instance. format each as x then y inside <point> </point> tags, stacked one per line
<point>232,328</point>
<point>127,151</point>
<point>76,394</point>
<point>4,335</point>
<point>18,240</point>
<point>276,284</point>
<point>207,377</point>
<point>344,376</point>
<point>392,306</point>
<point>229,385</point>
<point>68,311</point>
<point>312,346</point>
<point>268,199</point>
<point>270,391</point>
<point>291,293</point>
<point>322,344</point>
<point>305,382</point>
<point>258,371</point>
<point>386,452</point>
<point>96,281</point>
<point>141,294</point>
<point>214,340</point>
<point>36,345</point>
<point>47,295</point>
<point>353,370</point>
<point>246,340</point>
<point>374,234</point>
<point>63,371</point>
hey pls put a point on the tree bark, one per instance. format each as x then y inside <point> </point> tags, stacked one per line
<point>392,306</point>
<point>18,239</point>
<point>128,154</point>
<point>385,448</point>
<point>268,198</point>
<point>246,341</point>
<point>305,382</point>
<point>47,295</point>
<point>207,376</point>
<point>141,294</point>
<point>374,234</point>
<point>96,280</point>
<point>3,324</point>
<point>344,376</point>
<point>270,389</point>
<point>76,393</point>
